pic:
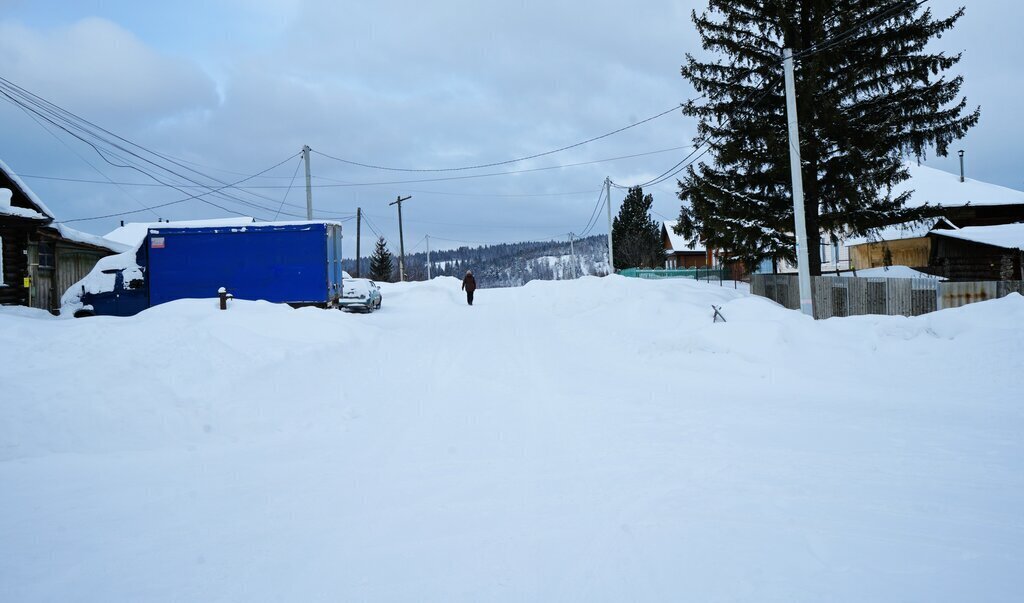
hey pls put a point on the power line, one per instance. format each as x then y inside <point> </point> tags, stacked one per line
<point>95,136</point>
<point>594,214</point>
<point>343,184</point>
<point>285,199</point>
<point>462,225</point>
<point>79,155</point>
<point>126,213</point>
<point>506,162</point>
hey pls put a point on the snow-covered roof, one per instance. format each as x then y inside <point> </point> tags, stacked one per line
<point>1008,236</point>
<point>937,187</point>
<point>6,209</point>
<point>942,188</point>
<point>133,233</point>
<point>89,239</point>
<point>26,190</point>
<point>900,231</point>
<point>680,243</point>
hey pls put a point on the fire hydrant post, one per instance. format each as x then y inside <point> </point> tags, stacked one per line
<point>223,294</point>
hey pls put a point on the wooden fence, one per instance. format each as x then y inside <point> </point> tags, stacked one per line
<point>853,296</point>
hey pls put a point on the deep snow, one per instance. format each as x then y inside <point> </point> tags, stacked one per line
<point>598,439</point>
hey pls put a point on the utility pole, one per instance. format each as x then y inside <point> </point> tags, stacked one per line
<point>309,185</point>
<point>572,253</point>
<point>428,257</point>
<point>608,199</point>
<point>803,270</point>
<point>359,224</point>
<point>401,239</point>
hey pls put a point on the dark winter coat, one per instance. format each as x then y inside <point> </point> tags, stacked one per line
<point>469,283</point>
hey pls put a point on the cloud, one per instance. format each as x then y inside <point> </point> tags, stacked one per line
<point>102,72</point>
<point>413,84</point>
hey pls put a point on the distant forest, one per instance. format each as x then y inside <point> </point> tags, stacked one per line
<point>504,265</point>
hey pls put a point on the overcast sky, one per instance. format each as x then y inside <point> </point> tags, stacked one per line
<point>237,86</point>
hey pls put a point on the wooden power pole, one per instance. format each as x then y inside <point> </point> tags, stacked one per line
<point>401,238</point>
<point>359,224</point>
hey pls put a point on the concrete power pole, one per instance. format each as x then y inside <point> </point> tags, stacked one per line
<point>608,199</point>
<point>359,224</point>
<point>803,270</point>
<point>309,185</point>
<point>401,238</point>
<point>428,257</point>
<point>572,253</point>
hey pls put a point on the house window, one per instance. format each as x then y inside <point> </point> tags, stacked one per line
<point>2,282</point>
<point>46,259</point>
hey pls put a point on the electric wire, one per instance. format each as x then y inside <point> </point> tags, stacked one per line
<point>95,136</point>
<point>506,162</point>
<point>285,199</point>
<point>126,213</point>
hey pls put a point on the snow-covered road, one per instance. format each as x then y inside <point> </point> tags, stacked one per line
<point>595,440</point>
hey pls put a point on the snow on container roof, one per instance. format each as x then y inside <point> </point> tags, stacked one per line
<point>942,188</point>
<point>286,225</point>
<point>1007,236</point>
<point>26,190</point>
<point>679,242</point>
<point>134,233</point>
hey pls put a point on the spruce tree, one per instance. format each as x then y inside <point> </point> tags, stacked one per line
<point>381,262</point>
<point>636,238</point>
<point>869,94</point>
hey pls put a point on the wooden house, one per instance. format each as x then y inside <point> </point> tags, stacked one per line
<point>681,252</point>
<point>40,258</point>
<point>964,203</point>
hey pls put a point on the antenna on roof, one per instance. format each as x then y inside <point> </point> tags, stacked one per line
<point>961,154</point>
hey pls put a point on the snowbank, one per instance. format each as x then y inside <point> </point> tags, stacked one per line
<point>598,439</point>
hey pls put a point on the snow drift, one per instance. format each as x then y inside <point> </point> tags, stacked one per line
<point>598,439</point>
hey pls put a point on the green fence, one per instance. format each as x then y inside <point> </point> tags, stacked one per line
<point>711,275</point>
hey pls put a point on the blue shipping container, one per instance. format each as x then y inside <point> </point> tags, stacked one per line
<point>295,263</point>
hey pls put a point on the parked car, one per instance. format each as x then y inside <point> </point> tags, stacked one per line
<point>360,294</point>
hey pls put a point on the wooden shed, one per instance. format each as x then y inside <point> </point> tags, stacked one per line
<point>979,253</point>
<point>40,258</point>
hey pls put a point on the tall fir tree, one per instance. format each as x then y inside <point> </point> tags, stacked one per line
<point>869,94</point>
<point>381,262</point>
<point>636,238</point>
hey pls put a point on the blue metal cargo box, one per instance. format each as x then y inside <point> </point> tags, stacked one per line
<point>284,262</point>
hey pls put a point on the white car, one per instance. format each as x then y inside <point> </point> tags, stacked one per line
<point>360,294</point>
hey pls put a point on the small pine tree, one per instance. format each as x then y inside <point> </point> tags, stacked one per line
<point>381,262</point>
<point>636,238</point>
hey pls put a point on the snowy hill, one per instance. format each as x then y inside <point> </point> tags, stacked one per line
<point>595,440</point>
<point>508,264</point>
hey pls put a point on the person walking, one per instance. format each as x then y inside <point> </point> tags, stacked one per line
<point>469,286</point>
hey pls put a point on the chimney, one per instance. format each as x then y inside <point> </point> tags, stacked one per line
<point>961,153</point>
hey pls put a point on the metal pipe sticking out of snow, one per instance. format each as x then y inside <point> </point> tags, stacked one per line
<point>224,296</point>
